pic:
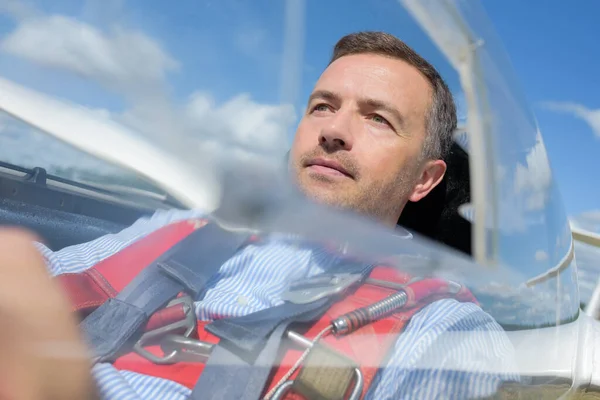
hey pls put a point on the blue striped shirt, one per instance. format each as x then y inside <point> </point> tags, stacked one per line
<point>255,278</point>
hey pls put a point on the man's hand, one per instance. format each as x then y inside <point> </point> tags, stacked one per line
<point>42,355</point>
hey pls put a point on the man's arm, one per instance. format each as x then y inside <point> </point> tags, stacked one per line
<point>80,257</point>
<point>45,371</point>
<point>42,354</point>
<point>449,350</point>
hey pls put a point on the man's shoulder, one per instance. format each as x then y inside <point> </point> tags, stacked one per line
<point>454,344</point>
<point>145,225</point>
<point>82,256</point>
<point>161,218</point>
<point>453,315</point>
<point>461,332</point>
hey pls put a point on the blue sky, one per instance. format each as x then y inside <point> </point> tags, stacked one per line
<point>553,46</point>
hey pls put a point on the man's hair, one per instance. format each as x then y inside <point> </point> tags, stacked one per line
<point>440,120</point>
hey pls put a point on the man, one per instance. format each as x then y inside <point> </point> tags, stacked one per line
<point>378,124</point>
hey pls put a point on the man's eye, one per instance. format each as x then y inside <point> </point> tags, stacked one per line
<point>380,120</point>
<point>321,107</point>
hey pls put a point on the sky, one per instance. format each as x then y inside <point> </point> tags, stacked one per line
<point>554,51</point>
<point>214,77</point>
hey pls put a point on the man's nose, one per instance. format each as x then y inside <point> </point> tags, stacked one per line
<point>337,134</point>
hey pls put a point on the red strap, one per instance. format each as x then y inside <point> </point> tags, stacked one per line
<point>353,345</point>
<point>369,346</point>
<point>86,290</point>
<point>91,288</point>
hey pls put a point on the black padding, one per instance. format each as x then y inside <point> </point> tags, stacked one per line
<point>57,228</point>
<point>436,215</point>
<point>59,216</point>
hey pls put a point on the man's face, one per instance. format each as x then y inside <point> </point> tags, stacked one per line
<point>359,144</point>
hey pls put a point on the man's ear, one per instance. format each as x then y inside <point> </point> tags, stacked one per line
<point>431,175</point>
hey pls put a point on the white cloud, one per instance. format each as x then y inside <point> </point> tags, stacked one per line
<point>541,255</point>
<point>524,191</point>
<point>121,59</point>
<point>238,130</point>
<point>251,41</point>
<point>592,216</point>
<point>17,9</point>
<point>589,220</point>
<point>26,146</point>
<point>592,117</point>
<point>533,178</point>
<point>239,123</point>
<point>135,65</point>
<point>4,122</point>
<point>255,125</point>
<point>588,268</point>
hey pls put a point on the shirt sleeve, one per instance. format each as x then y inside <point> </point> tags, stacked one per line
<point>80,257</point>
<point>449,350</point>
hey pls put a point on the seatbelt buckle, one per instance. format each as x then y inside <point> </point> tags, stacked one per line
<point>324,373</point>
<point>185,327</point>
<point>315,288</point>
<point>288,386</point>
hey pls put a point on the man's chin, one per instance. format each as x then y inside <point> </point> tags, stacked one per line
<point>324,194</point>
<point>323,189</point>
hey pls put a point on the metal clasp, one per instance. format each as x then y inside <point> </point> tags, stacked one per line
<point>283,387</point>
<point>355,395</point>
<point>186,349</point>
<point>187,325</point>
<point>312,289</point>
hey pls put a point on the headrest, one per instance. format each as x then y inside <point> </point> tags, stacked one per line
<point>436,215</point>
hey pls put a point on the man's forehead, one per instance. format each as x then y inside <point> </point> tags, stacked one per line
<point>376,64</point>
<point>376,77</point>
<point>372,69</point>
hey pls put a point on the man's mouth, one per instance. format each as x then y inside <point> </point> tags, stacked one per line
<point>328,167</point>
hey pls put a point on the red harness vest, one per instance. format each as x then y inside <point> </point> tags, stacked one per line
<point>368,345</point>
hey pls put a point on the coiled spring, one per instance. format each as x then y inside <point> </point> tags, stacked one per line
<point>356,319</point>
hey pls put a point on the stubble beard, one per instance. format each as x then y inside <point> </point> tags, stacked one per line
<point>378,200</point>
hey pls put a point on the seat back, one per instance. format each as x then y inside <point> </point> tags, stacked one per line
<point>436,215</point>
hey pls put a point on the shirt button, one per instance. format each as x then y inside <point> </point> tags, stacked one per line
<point>242,300</point>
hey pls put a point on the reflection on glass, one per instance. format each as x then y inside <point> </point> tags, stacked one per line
<point>527,229</point>
<point>586,230</point>
<point>24,146</point>
<point>229,103</point>
<point>587,221</point>
<point>588,266</point>
<point>221,90</point>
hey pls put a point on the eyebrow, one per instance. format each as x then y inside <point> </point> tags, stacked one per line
<point>382,105</point>
<point>370,103</point>
<point>325,95</point>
